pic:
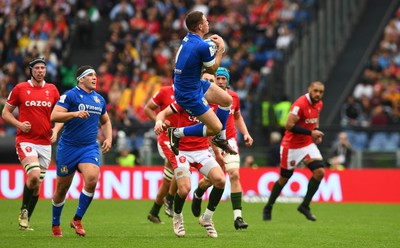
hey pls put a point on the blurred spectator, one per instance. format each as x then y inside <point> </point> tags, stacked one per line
<point>351,113</point>
<point>341,153</point>
<point>274,158</point>
<point>249,162</point>
<point>363,88</point>
<point>126,159</point>
<point>379,117</point>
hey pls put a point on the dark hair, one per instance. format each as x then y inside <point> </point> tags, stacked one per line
<point>193,19</point>
<point>82,69</point>
<point>35,61</point>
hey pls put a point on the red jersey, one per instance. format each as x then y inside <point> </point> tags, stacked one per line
<point>35,104</point>
<point>230,124</point>
<point>189,143</point>
<point>163,98</point>
<point>308,115</point>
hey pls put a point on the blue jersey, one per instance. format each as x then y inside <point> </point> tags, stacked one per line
<point>82,132</point>
<point>193,54</point>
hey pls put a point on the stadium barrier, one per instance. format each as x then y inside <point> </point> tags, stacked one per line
<point>141,183</point>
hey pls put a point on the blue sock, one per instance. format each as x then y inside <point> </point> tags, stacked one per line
<point>57,209</point>
<point>84,201</point>
<point>223,114</point>
<point>195,130</point>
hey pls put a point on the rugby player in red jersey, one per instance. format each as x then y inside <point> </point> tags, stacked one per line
<point>161,100</point>
<point>299,144</point>
<point>35,99</point>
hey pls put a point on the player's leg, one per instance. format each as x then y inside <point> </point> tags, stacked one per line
<point>62,185</point>
<point>204,184</point>
<point>162,192</point>
<point>213,171</point>
<point>182,175</point>
<point>286,171</point>
<point>29,158</point>
<point>90,173</point>
<point>169,198</point>
<point>317,168</point>
<point>232,167</point>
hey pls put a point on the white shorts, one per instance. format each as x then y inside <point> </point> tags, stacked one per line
<point>42,152</point>
<point>290,158</point>
<point>202,160</point>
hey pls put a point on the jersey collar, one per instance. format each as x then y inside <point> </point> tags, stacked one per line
<point>30,82</point>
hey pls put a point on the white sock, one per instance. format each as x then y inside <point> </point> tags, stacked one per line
<point>222,134</point>
<point>237,213</point>
<point>178,132</point>
<point>208,214</point>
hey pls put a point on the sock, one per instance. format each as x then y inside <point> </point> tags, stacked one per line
<point>223,114</point>
<point>155,209</point>
<point>57,209</point>
<point>199,192</point>
<point>237,213</point>
<point>178,203</point>
<point>27,197</point>
<point>236,199</point>
<point>170,198</point>
<point>313,185</point>
<point>194,130</point>
<point>84,201</point>
<point>178,132</point>
<point>215,197</point>
<point>32,204</point>
<point>276,191</point>
<point>208,214</point>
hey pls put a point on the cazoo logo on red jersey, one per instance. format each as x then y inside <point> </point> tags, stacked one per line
<point>311,121</point>
<point>38,104</point>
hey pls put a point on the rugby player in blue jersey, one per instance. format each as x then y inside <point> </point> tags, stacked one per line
<point>193,57</point>
<point>80,109</point>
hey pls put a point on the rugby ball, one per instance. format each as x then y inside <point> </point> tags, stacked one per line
<point>213,46</point>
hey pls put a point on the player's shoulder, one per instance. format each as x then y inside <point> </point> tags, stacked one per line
<point>22,85</point>
<point>233,94</point>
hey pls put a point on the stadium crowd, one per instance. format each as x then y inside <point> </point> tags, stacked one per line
<point>139,53</point>
<point>375,100</point>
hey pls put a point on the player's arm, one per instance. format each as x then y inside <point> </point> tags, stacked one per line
<point>8,117</point>
<point>149,110</point>
<point>291,125</point>
<point>56,129</point>
<point>241,125</point>
<point>61,114</point>
<point>161,117</point>
<point>218,55</point>
<point>107,132</point>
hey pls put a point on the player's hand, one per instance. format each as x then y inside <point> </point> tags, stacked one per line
<point>53,137</point>
<point>106,146</point>
<point>25,126</point>
<point>316,134</point>
<point>221,161</point>
<point>318,140</point>
<point>159,127</point>
<point>248,140</point>
<point>219,41</point>
<point>82,114</point>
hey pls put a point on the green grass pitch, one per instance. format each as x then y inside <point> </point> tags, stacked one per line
<point>124,224</point>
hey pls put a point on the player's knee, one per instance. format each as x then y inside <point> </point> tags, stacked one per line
<point>226,101</point>
<point>317,167</point>
<point>234,176</point>
<point>319,173</point>
<point>286,173</point>
<point>184,190</point>
<point>91,182</point>
<point>219,182</point>
<point>215,129</point>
